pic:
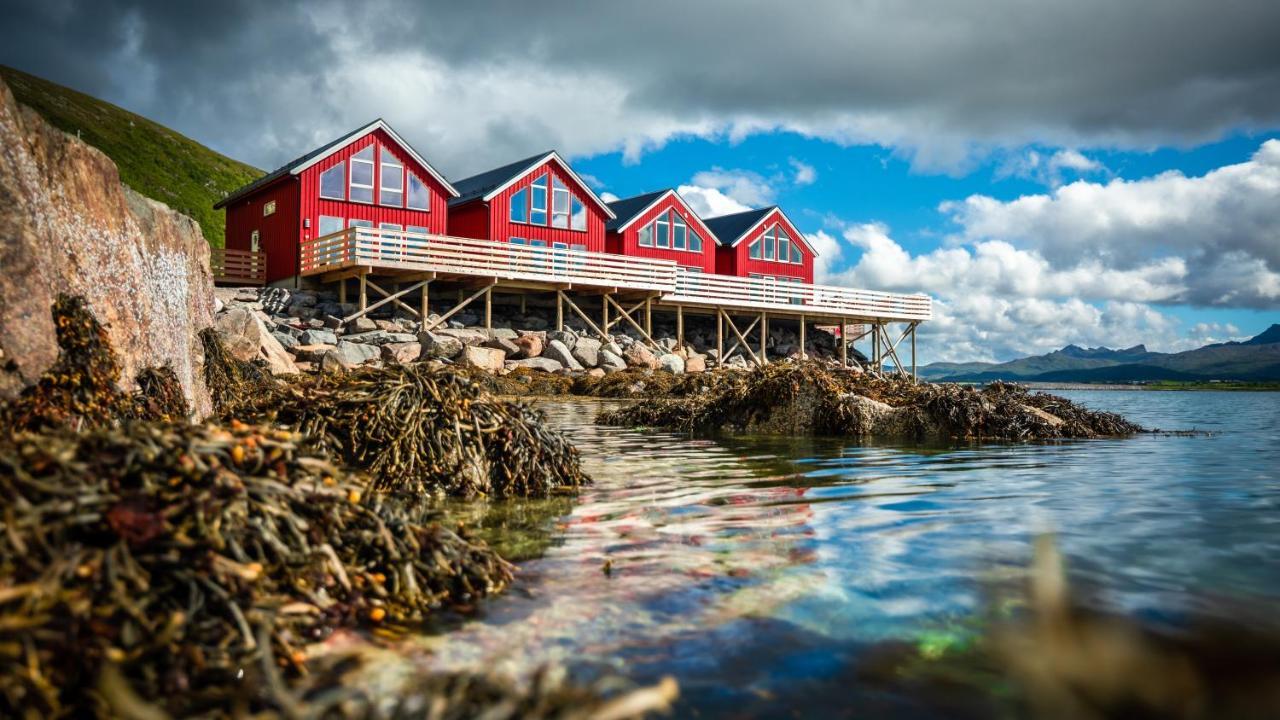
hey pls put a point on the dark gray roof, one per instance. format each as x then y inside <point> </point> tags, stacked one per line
<point>479,185</point>
<point>627,208</point>
<point>280,172</point>
<point>730,228</point>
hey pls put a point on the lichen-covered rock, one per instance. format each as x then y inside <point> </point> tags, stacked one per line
<point>672,363</point>
<point>587,351</point>
<point>401,352</point>
<point>530,345</point>
<point>437,346</point>
<point>69,226</point>
<point>637,355</point>
<point>246,338</point>
<point>483,358</point>
<point>538,363</point>
<point>558,351</point>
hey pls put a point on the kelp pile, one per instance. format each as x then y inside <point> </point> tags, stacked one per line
<point>418,428</point>
<point>233,384</point>
<point>815,398</point>
<point>629,383</point>
<point>182,554</point>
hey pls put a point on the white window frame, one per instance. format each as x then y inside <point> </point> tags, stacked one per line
<point>754,249</point>
<point>373,176</point>
<point>783,239</point>
<point>539,183</point>
<point>342,224</point>
<point>695,234</point>
<point>559,191</point>
<point>770,245</point>
<point>342,172</point>
<point>663,219</point>
<point>679,229</point>
<point>410,179</point>
<point>395,164</point>
<point>643,234</point>
<point>394,227</point>
<point>577,209</point>
<point>520,197</point>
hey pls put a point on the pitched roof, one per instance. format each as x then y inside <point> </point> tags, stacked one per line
<point>297,165</point>
<point>489,183</point>
<point>627,209</point>
<point>729,229</point>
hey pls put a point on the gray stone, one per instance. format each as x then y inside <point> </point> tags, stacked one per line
<point>537,363</point>
<point>287,341</point>
<point>357,353</point>
<point>361,324</point>
<point>484,358</point>
<point>508,347</point>
<point>246,338</point>
<point>534,322</point>
<point>612,362</point>
<point>402,352</point>
<point>587,351</point>
<point>672,363</point>
<point>467,336</point>
<point>612,347</point>
<point>301,298</point>
<point>438,346</point>
<point>318,337</point>
<point>380,337</point>
<point>566,337</point>
<point>310,353</point>
<point>556,350</point>
<point>332,362</point>
<point>504,334</point>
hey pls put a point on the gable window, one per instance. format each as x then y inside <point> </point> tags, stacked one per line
<point>391,186</point>
<point>329,224</point>
<point>578,220</point>
<point>646,236</point>
<point>418,199</point>
<point>797,255</point>
<point>753,250</point>
<point>520,206</point>
<point>333,184</point>
<point>362,176</point>
<point>770,243</point>
<point>695,241</point>
<point>679,232</point>
<point>538,201</point>
<point>664,231</point>
<point>559,204</point>
<point>784,244</point>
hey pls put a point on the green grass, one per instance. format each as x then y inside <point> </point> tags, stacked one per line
<point>153,160</point>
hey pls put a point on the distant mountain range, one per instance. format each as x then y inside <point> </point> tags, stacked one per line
<point>1256,359</point>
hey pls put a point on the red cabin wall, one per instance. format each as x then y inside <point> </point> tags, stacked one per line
<point>628,241</point>
<point>501,227</point>
<point>277,233</point>
<point>470,220</point>
<point>741,264</point>
<point>436,219</point>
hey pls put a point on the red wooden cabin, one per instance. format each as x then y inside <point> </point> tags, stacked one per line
<point>661,225</point>
<point>370,177</point>
<point>537,201</point>
<point>762,243</point>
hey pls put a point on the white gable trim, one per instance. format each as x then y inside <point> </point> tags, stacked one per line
<point>705,230</point>
<point>803,240</point>
<point>553,155</point>
<point>376,125</point>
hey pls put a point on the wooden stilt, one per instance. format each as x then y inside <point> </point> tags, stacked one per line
<point>364,293</point>
<point>424,308</point>
<point>844,344</point>
<point>679,326</point>
<point>342,291</point>
<point>913,352</point>
<point>445,317</point>
<point>559,310</point>
<point>488,308</point>
<point>604,314</point>
<point>522,305</point>
<point>803,354</point>
<point>764,337</point>
<point>720,336</point>
<point>648,315</point>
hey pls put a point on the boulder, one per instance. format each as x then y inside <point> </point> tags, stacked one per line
<point>612,347</point>
<point>695,364</point>
<point>508,347</point>
<point>318,337</point>
<point>332,362</point>
<point>611,362</point>
<point>566,337</point>
<point>587,351</point>
<point>537,363</point>
<point>286,340</point>
<point>246,338</point>
<point>556,350</point>
<point>380,337</point>
<point>439,346</point>
<point>311,353</point>
<point>391,326</point>
<point>595,373</point>
<point>357,353</point>
<point>503,334</point>
<point>361,324</point>
<point>467,336</point>
<point>529,346</point>
<point>402,352</point>
<point>637,355</point>
<point>672,363</point>
<point>67,225</point>
<point>484,358</point>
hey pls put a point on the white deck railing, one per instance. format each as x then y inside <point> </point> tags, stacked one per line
<point>696,288</point>
<point>449,255</point>
<point>483,258</point>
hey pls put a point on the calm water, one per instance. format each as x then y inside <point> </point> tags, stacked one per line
<point>764,573</point>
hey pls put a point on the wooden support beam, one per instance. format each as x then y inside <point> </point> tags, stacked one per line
<point>679,326</point>
<point>648,316</point>
<point>522,305</point>
<point>364,294</point>
<point>488,308</point>
<point>392,296</point>
<point>741,336</point>
<point>764,338</point>
<point>559,310</point>
<point>844,344</point>
<point>604,315</point>
<point>342,291</point>
<point>573,306</point>
<point>914,376</point>
<point>745,334</point>
<point>388,299</point>
<point>425,306</point>
<point>461,304</point>
<point>627,316</point>
<point>803,354</point>
<point>719,337</point>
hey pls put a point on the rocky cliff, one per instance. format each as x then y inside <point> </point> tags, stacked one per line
<point>67,225</point>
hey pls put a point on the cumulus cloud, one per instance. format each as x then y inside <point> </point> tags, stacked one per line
<point>1049,170</point>
<point>1211,240</point>
<point>261,80</point>
<point>709,202</point>
<point>744,186</point>
<point>609,197</point>
<point>805,174</point>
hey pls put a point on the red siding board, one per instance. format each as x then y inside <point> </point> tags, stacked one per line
<point>501,227</point>
<point>470,220</point>
<point>628,241</point>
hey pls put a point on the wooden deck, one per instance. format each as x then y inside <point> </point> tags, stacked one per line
<point>645,283</point>
<point>237,267</point>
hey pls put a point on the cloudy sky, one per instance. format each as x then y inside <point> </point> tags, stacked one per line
<point>1086,171</point>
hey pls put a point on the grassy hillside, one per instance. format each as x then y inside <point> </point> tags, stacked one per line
<point>154,160</point>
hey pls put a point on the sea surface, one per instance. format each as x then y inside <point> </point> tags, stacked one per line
<point>781,577</point>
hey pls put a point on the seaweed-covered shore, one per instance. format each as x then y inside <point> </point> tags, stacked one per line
<point>150,567</point>
<point>815,398</point>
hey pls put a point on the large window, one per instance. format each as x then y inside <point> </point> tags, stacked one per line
<point>362,176</point>
<point>695,241</point>
<point>329,224</point>
<point>538,201</point>
<point>520,206</point>
<point>359,223</point>
<point>391,186</point>
<point>418,198</point>
<point>784,244</point>
<point>679,233</point>
<point>797,255</point>
<point>753,250</point>
<point>579,218</point>
<point>646,235</point>
<point>670,230</point>
<point>333,182</point>
<point>776,244</point>
<point>559,204</point>
<point>663,226</point>
<point>770,243</point>
<point>395,227</point>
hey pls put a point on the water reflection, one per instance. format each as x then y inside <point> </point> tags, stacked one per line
<point>769,574</point>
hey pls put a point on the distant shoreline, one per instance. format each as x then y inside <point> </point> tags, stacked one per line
<point>1158,386</point>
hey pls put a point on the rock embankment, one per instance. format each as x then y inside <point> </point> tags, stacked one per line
<point>302,330</point>
<point>815,398</point>
<point>67,225</point>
